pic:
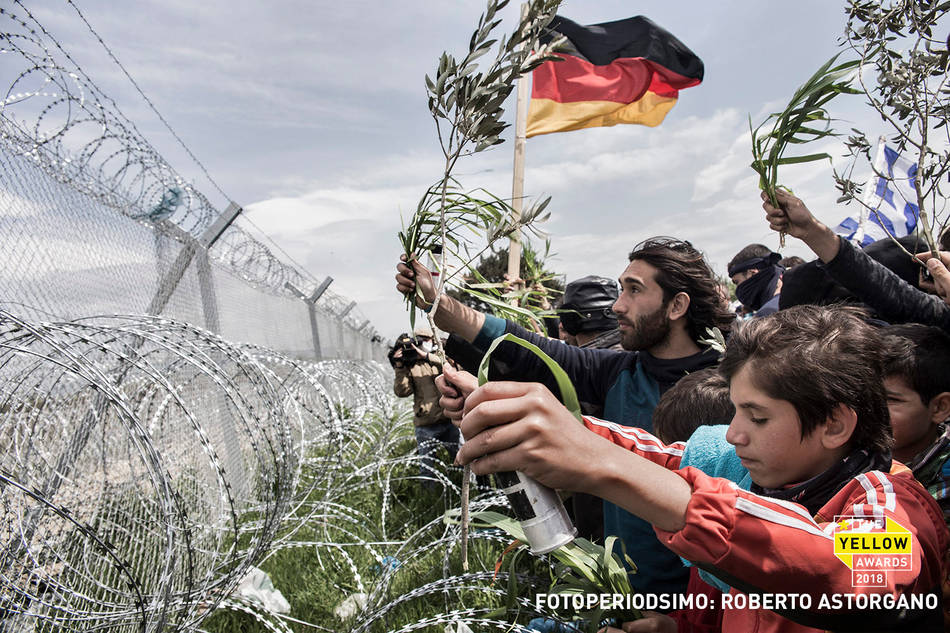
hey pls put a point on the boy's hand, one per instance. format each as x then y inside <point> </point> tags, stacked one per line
<point>455,386</point>
<point>408,277</point>
<point>522,426</point>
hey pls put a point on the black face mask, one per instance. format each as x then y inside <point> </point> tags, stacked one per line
<point>759,288</point>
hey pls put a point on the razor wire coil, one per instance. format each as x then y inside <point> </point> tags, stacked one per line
<point>146,464</point>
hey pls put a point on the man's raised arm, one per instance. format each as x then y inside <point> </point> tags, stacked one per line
<point>794,218</point>
<point>451,315</point>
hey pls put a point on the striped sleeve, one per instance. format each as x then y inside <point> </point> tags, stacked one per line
<point>776,546</point>
<point>638,441</point>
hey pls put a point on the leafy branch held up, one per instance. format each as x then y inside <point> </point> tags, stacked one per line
<point>804,120</point>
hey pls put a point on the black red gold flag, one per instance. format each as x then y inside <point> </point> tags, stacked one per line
<point>628,71</point>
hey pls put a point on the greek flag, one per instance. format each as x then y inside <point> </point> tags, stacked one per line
<point>889,201</point>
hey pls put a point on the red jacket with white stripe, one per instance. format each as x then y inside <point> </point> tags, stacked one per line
<point>770,546</point>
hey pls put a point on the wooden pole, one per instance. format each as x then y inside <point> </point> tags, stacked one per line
<point>517,180</point>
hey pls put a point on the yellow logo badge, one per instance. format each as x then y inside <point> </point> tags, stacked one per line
<point>870,553</point>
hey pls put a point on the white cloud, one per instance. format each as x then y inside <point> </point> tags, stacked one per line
<point>316,111</point>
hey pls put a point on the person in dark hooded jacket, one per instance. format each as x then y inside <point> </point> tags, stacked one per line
<point>891,297</point>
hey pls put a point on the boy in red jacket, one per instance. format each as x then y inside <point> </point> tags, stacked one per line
<point>756,503</point>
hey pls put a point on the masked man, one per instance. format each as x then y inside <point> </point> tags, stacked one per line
<point>758,279</point>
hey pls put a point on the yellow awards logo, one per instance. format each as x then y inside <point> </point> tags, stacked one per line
<point>870,553</point>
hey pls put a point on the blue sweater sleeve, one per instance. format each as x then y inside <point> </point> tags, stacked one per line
<point>492,329</point>
<point>592,371</point>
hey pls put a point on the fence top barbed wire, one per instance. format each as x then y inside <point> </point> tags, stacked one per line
<point>55,114</point>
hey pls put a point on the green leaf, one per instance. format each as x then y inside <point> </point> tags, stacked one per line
<point>791,126</point>
<point>793,160</point>
<point>512,602</point>
<point>568,394</point>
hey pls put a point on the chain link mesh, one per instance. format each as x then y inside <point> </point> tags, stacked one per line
<point>147,461</point>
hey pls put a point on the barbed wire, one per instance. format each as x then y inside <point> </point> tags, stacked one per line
<point>146,464</point>
<point>54,114</point>
<point>151,105</point>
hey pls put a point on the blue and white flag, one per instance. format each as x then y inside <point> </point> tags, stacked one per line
<point>890,201</point>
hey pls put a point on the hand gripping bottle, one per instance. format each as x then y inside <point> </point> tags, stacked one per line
<point>538,508</point>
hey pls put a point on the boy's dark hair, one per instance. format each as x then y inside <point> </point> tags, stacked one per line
<point>682,268</point>
<point>920,354</point>
<point>697,399</point>
<point>816,358</point>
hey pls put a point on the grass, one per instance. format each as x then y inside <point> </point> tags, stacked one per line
<point>370,504</point>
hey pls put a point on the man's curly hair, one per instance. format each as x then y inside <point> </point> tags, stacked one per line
<point>682,268</point>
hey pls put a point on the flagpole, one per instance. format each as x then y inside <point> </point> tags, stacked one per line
<point>517,180</point>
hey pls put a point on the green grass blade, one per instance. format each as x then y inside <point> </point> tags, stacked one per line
<point>568,394</point>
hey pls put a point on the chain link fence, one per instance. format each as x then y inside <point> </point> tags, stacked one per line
<point>147,461</point>
<point>94,221</point>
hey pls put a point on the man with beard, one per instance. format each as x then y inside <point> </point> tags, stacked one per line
<point>756,272</point>
<point>668,302</point>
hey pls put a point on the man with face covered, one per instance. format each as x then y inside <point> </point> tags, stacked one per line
<point>757,275</point>
<point>668,300</point>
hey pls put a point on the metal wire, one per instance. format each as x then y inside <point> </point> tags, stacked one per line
<point>56,121</point>
<point>146,464</point>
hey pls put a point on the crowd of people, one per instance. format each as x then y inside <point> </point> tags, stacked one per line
<point>727,472</point>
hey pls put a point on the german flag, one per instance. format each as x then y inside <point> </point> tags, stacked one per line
<point>628,71</point>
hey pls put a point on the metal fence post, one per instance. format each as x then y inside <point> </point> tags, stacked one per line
<point>209,300</point>
<point>169,283</point>
<point>311,302</point>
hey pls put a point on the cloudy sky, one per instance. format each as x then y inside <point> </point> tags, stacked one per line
<point>312,115</point>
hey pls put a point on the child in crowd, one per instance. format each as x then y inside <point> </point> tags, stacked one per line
<point>756,503</point>
<point>698,399</point>
<point>917,380</point>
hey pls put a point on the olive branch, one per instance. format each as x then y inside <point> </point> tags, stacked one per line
<point>905,59</point>
<point>465,101</point>
<point>526,304</point>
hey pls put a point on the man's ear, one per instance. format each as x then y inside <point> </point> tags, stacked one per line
<point>678,306</point>
<point>839,427</point>
<point>939,407</point>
